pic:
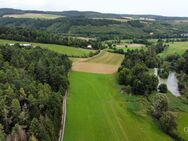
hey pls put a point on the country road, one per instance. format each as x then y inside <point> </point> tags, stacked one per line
<point>63,120</point>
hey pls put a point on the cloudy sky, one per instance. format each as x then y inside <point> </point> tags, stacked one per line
<point>159,7</point>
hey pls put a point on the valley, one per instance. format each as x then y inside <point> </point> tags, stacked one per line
<point>91,76</point>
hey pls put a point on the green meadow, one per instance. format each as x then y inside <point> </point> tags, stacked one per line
<point>70,51</point>
<point>33,16</point>
<point>107,58</point>
<point>97,111</point>
<point>175,48</point>
<point>182,120</point>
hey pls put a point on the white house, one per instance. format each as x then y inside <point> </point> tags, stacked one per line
<point>89,46</point>
<point>11,44</point>
<point>151,33</point>
<point>26,45</point>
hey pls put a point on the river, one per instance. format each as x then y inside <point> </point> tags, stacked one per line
<point>171,82</point>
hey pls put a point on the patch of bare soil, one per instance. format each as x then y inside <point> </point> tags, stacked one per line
<point>94,68</point>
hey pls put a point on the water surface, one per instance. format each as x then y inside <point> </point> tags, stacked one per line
<point>171,82</point>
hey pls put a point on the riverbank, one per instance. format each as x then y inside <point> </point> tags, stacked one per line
<point>171,82</point>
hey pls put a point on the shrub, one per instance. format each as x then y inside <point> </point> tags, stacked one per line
<point>168,122</point>
<point>163,88</point>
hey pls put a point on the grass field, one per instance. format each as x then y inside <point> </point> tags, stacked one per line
<point>175,48</point>
<point>181,110</point>
<point>107,58</point>
<point>115,19</point>
<point>98,112</point>
<point>122,45</point>
<point>130,46</point>
<point>176,104</point>
<point>33,16</point>
<point>182,120</point>
<point>103,63</point>
<point>71,51</point>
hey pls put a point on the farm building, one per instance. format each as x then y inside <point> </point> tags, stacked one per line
<point>89,46</point>
<point>25,45</point>
<point>11,44</point>
<point>22,45</point>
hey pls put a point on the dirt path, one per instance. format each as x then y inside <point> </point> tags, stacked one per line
<point>63,120</point>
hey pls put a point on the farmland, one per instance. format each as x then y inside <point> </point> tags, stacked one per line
<point>181,113</point>
<point>70,51</point>
<point>89,76</point>
<point>127,45</point>
<point>107,58</point>
<point>131,47</point>
<point>97,111</point>
<point>182,123</point>
<point>33,16</point>
<point>103,63</point>
<point>175,48</point>
<point>111,115</point>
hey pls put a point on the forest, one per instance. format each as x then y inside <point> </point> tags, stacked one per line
<point>32,111</point>
<point>136,77</point>
<point>29,35</point>
<point>134,72</point>
<point>100,28</point>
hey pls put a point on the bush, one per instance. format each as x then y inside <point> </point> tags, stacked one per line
<point>168,122</point>
<point>163,73</point>
<point>163,88</point>
<point>159,105</point>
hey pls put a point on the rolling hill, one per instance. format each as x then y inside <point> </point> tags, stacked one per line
<point>90,14</point>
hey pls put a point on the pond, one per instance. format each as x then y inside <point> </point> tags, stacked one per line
<point>171,82</point>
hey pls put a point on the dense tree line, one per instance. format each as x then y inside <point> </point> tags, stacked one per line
<point>60,22</point>
<point>32,82</point>
<point>166,119</point>
<point>27,34</point>
<point>134,72</point>
<point>183,39</point>
<point>141,41</point>
<point>101,28</point>
<point>136,23</point>
<point>160,46</point>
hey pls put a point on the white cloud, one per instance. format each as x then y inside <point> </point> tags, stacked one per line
<point>23,4</point>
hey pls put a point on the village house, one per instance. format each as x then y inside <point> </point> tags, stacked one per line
<point>89,46</point>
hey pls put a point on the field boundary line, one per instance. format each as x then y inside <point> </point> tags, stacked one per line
<point>88,58</point>
<point>63,120</point>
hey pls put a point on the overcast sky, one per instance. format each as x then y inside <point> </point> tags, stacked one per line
<point>158,7</point>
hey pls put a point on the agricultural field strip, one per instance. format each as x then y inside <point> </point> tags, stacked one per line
<point>33,16</point>
<point>106,58</point>
<point>70,51</point>
<point>175,48</point>
<point>104,63</point>
<point>97,111</point>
